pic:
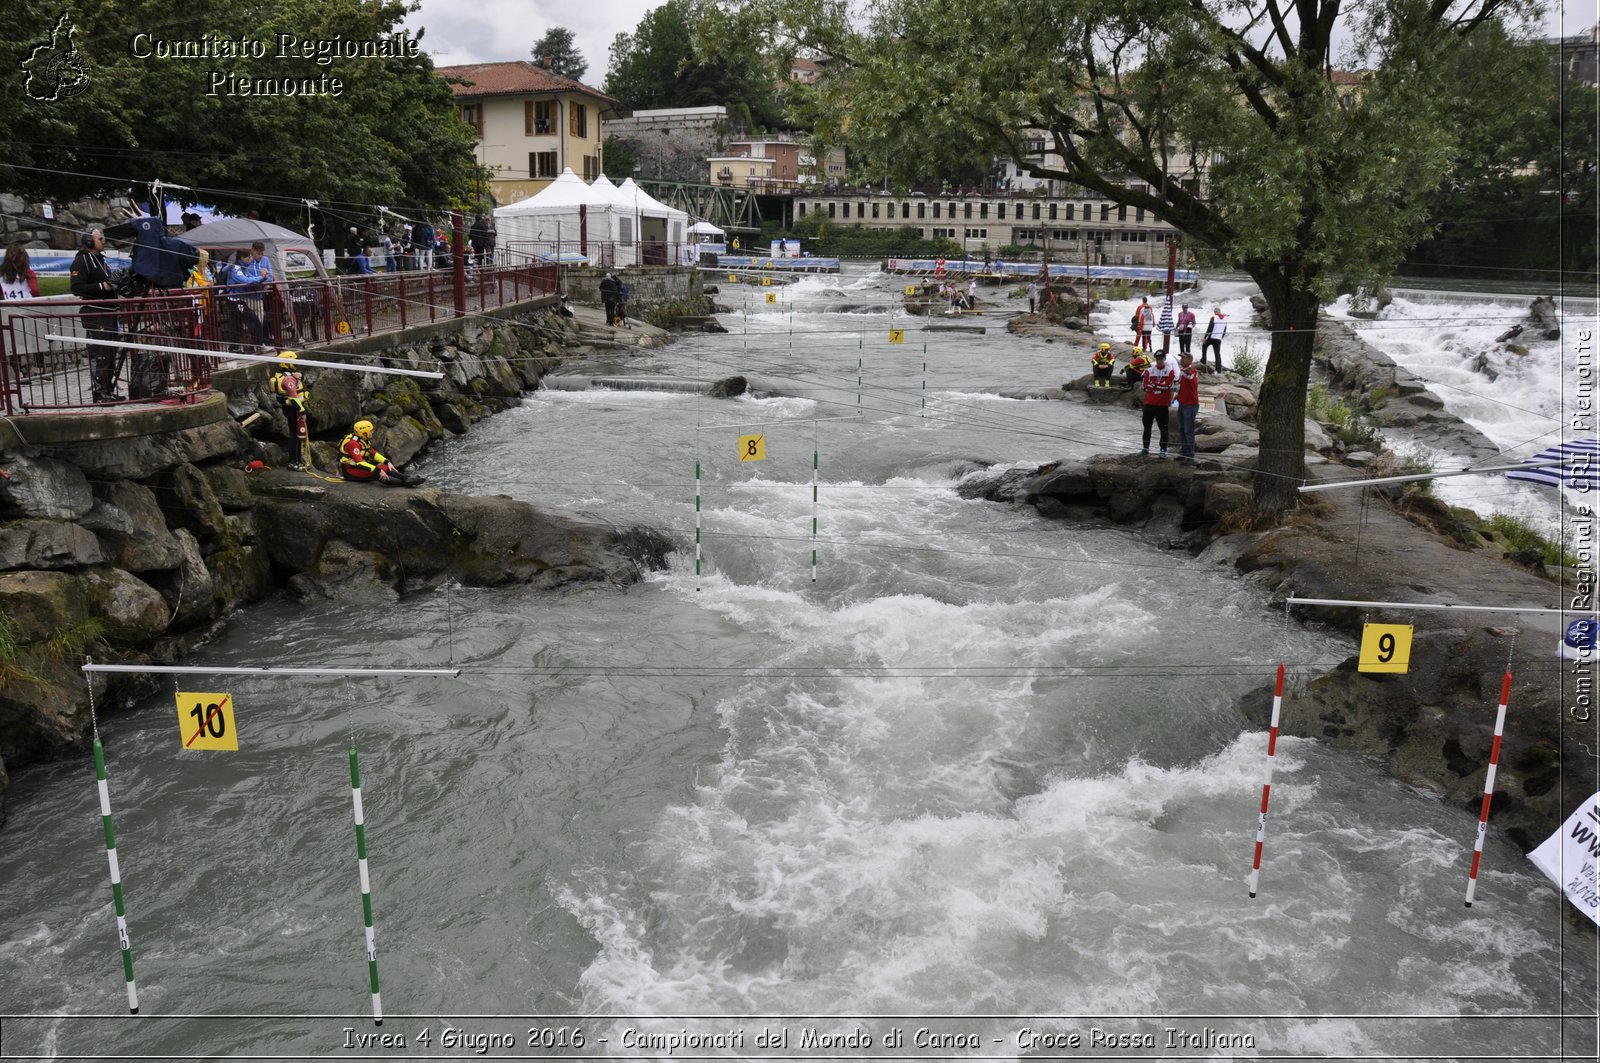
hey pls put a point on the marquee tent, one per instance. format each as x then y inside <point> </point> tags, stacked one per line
<point>663,225</point>
<point>291,254</point>
<point>565,217</point>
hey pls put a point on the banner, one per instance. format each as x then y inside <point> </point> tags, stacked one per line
<point>1569,855</point>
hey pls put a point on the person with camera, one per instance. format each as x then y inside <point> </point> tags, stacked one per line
<point>92,283</point>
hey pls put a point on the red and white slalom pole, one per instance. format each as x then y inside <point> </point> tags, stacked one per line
<point>1266,784</point>
<point>1488,786</point>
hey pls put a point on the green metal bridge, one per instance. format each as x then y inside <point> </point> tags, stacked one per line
<point>733,209</point>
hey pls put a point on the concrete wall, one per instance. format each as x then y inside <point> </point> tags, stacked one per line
<point>647,285</point>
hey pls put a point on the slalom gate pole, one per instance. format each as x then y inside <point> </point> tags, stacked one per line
<point>924,380</point>
<point>1488,786</point>
<point>116,878</point>
<point>697,521</point>
<point>858,383</point>
<point>1266,784</point>
<point>813,509</point>
<point>366,887</point>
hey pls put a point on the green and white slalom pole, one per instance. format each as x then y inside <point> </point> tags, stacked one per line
<point>813,508</point>
<point>697,525</point>
<point>366,887</point>
<point>116,875</point>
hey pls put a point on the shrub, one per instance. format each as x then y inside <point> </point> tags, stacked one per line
<point>1247,363</point>
<point>1520,534</point>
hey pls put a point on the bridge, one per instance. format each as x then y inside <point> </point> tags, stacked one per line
<point>732,209</point>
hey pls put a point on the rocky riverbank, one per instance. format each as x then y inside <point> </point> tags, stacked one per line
<point>132,536</point>
<point>1433,725</point>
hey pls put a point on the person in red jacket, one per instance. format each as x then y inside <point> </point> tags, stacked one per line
<point>360,460</point>
<point>1144,323</point>
<point>1160,380</point>
<point>1188,404</point>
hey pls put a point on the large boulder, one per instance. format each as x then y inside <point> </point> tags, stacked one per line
<point>48,544</point>
<point>131,610</point>
<point>38,604</point>
<point>132,526</point>
<point>45,487</point>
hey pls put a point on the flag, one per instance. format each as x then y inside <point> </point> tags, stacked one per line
<point>1581,468</point>
<point>1569,855</point>
<point>1164,322</point>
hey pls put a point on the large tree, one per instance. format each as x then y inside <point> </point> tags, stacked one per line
<point>559,48</point>
<point>390,137</point>
<point>1304,182</point>
<point>663,64</point>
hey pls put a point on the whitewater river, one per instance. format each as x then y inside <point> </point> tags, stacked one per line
<point>980,781</point>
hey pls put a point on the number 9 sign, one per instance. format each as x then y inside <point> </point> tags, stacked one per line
<point>1385,648</point>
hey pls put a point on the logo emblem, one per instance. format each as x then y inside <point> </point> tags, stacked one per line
<point>55,68</point>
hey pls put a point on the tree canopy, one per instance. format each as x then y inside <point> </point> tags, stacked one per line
<point>1222,117</point>
<point>561,49</point>
<point>390,136</point>
<point>662,64</point>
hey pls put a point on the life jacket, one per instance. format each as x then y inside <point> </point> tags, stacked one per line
<point>1139,363</point>
<point>1103,359</point>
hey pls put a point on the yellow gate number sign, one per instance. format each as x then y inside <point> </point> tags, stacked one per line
<point>1385,648</point>
<point>772,297</point>
<point>897,335</point>
<point>911,289</point>
<point>205,721</point>
<point>342,328</point>
<point>733,278</point>
<point>752,448</point>
<point>766,282</point>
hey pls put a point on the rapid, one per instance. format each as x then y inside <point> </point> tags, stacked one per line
<point>980,780</point>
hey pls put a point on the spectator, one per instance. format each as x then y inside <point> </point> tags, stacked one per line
<point>422,239</point>
<point>1188,404</point>
<point>478,239</point>
<point>608,297</point>
<point>247,283</point>
<point>1216,328</point>
<point>91,282</point>
<point>386,245</point>
<point>1144,323</point>
<point>17,279</point>
<point>1159,381</point>
<point>1033,297</point>
<point>1185,329</point>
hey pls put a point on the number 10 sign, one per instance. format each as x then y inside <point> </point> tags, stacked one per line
<point>1385,648</point>
<point>205,721</point>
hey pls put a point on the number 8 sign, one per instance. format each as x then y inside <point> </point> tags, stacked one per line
<point>205,721</point>
<point>1385,648</point>
<point>752,448</point>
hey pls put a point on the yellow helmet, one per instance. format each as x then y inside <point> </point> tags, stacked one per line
<point>1138,350</point>
<point>285,357</point>
<point>1105,346</point>
<point>363,428</point>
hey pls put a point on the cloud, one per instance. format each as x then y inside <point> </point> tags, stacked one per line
<point>492,31</point>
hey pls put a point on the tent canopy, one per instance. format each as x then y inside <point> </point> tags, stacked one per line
<point>705,228</point>
<point>289,252</point>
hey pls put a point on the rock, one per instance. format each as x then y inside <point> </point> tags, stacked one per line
<point>190,595</point>
<point>1360,458</point>
<point>41,603</point>
<point>1482,365</point>
<point>230,486</point>
<point>45,487</point>
<point>344,573</point>
<point>131,610</point>
<point>1546,319</point>
<point>1509,334</point>
<point>1224,498</point>
<point>1317,439</point>
<point>48,544</point>
<point>189,502</point>
<point>404,440</point>
<point>1214,434</point>
<point>147,545</point>
<point>728,387</point>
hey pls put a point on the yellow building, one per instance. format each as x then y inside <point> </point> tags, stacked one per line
<point>741,171</point>
<point>531,124</point>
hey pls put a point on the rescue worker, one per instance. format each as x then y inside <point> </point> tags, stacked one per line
<point>1133,372</point>
<point>360,460</point>
<point>293,393</point>
<point>1103,361</point>
<point>1160,383</point>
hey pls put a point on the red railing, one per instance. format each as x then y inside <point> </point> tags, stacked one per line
<point>38,374</point>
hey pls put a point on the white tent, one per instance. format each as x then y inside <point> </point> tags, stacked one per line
<point>705,228</point>
<point>661,226</point>
<point>563,219</point>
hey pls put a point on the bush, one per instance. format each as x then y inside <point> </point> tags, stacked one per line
<point>1247,363</point>
<point>1519,534</point>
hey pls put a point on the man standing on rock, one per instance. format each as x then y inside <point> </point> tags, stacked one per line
<point>1159,381</point>
<point>1188,404</point>
<point>1216,328</point>
<point>1185,329</point>
<point>608,297</point>
<point>1033,297</point>
<point>1144,323</point>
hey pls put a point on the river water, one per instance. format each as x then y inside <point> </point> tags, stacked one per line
<point>979,779</point>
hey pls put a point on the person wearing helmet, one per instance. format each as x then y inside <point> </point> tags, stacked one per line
<point>360,460</point>
<point>1133,372</point>
<point>1103,361</point>
<point>293,394</point>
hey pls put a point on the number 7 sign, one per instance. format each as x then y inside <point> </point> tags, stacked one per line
<point>205,721</point>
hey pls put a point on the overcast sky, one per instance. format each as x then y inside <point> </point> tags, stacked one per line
<point>487,31</point>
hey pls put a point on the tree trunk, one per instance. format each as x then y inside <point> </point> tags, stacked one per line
<point>1281,414</point>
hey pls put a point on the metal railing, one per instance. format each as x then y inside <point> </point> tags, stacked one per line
<point>39,375</point>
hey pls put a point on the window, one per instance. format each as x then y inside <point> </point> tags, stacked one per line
<point>1036,212</point>
<point>935,211</point>
<point>1052,212</point>
<point>801,207</point>
<point>1069,211</point>
<point>874,210</point>
<point>1138,214</point>
<point>539,117</point>
<point>922,210</point>
<point>1105,212</point>
<point>983,210</point>
<point>542,164</point>
<point>625,230</point>
<point>1002,214</point>
<point>949,234</point>
<point>978,234</point>
<point>1122,212</point>
<point>967,213</point>
<point>591,167</point>
<point>861,209</point>
<point>830,209</point>
<point>578,125</point>
<point>472,114</point>
<point>905,210</point>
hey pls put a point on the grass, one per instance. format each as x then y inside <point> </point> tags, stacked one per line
<point>1350,424</point>
<point>1520,534</point>
<point>1247,363</point>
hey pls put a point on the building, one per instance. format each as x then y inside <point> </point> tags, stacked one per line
<point>531,124</point>
<point>1069,226</point>
<point>673,143</point>
<point>740,171</point>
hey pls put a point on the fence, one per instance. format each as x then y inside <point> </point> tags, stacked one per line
<point>39,375</point>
